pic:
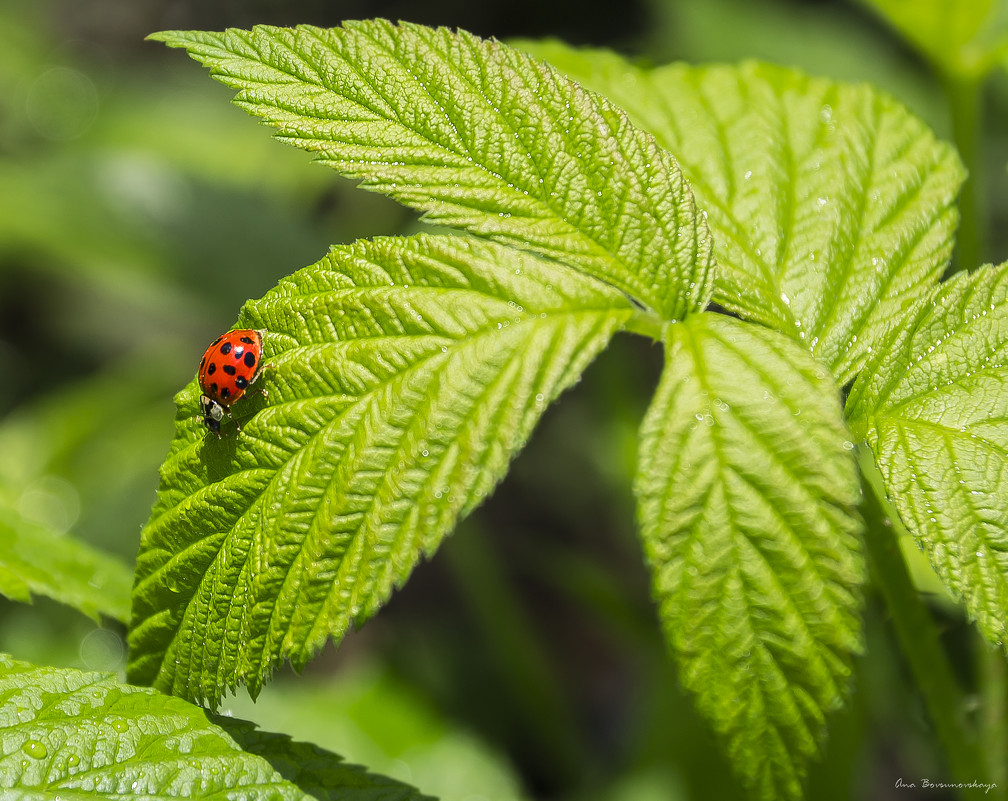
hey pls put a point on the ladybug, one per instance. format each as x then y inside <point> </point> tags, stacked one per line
<point>230,365</point>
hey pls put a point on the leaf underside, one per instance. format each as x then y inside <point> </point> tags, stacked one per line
<point>478,136</point>
<point>832,207</point>
<point>747,494</point>
<point>74,735</point>
<point>405,375</point>
<point>933,406</point>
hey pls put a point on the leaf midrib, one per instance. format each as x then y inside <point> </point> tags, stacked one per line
<point>365,398</point>
<point>533,187</point>
<point>598,305</point>
<point>368,398</point>
<point>975,580</point>
<point>704,381</point>
<point>859,322</point>
<point>709,198</point>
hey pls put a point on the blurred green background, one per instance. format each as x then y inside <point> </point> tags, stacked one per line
<point>139,209</point>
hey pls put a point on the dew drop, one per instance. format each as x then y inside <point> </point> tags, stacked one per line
<point>35,749</point>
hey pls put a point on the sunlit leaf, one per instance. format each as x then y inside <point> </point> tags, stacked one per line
<point>405,375</point>
<point>933,406</point>
<point>747,491</point>
<point>74,735</point>
<point>831,206</point>
<point>479,136</point>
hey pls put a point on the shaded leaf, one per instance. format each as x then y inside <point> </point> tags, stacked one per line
<point>967,39</point>
<point>367,709</point>
<point>747,491</point>
<point>36,559</point>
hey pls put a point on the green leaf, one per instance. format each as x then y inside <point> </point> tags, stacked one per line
<point>967,39</point>
<point>72,464</point>
<point>371,711</point>
<point>406,374</point>
<point>933,406</point>
<point>36,559</point>
<point>74,735</point>
<point>747,491</point>
<point>831,206</point>
<point>480,136</point>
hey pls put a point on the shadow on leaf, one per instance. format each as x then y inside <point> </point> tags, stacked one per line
<point>319,773</point>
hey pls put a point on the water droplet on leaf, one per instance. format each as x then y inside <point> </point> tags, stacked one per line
<point>35,749</point>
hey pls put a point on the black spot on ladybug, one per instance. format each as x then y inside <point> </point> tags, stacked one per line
<point>241,382</point>
<point>229,369</point>
<point>250,359</point>
<point>213,389</point>
<point>247,340</point>
<point>202,363</point>
<point>217,340</point>
<point>225,348</point>
<point>212,368</point>
<point>225,393</point>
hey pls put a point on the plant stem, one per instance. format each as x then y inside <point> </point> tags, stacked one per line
<point>647,324</point>
<point>993,724</point>
<point>966,108</point>
<point>916,632</point>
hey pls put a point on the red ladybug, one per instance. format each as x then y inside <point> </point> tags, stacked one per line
<point>230,365</point>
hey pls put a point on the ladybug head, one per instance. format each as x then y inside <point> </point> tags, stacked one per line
<point>212,413</point>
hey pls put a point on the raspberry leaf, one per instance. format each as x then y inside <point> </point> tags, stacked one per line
<point>965,39</point>
<point>36,559</point>
<point>478,136</point>
<point>747,492</point>
<point>933,406</point>
<point>71,734</point>
<point>831,205</point>
<point>406,374</point>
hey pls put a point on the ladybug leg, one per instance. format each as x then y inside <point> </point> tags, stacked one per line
<point>259,372</point>
<point>227,411</point>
